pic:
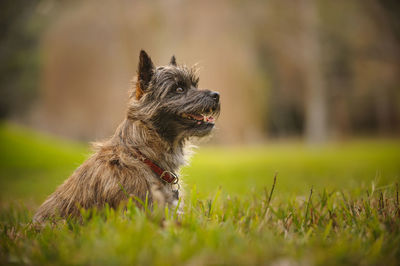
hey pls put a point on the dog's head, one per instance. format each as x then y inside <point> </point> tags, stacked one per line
<point>167,98</point>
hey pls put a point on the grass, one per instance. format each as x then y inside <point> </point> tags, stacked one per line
<point>332,205</point>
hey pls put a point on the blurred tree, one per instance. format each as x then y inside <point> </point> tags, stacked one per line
<point>386,54</point>
<point>316,104</point>
<point>18,55</point>
<point>311,68</point>
<point>387,12</point>
<point>333,66</point>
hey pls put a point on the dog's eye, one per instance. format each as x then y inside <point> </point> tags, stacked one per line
<point>179,90</point>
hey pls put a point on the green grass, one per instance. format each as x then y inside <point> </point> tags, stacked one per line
<point>32,165</point>
<point>230,215</point>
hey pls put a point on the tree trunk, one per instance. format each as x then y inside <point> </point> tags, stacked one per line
<point>316,106</point>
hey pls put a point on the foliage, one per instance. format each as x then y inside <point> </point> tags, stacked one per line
<point>22,24</point>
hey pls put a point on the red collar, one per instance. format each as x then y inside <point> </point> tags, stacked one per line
<point>166,176</point>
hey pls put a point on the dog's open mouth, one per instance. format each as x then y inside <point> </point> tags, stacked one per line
<point>199,118</point>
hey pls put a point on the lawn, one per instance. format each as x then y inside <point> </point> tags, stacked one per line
<point>331,205</point>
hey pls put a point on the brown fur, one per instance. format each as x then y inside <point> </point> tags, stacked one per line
<point>113,173</point>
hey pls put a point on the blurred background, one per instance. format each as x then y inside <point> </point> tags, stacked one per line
<point>310,93</point>
<point>309,89</point>
<point>311,69</point>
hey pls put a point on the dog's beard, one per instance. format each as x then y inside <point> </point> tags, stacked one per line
<point>197,124</point>
<point>181,124</point>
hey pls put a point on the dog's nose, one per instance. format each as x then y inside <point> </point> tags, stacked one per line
<point>215,96</point>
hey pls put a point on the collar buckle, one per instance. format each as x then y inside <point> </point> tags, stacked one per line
<point>169,177</point>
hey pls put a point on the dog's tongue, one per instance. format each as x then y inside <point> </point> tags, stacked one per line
<point>197,117</point>
<point>210,119</point>
<point>204,118</point>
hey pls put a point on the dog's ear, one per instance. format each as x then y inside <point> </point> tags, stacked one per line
<point>173,61</point>
<point>145,73</point>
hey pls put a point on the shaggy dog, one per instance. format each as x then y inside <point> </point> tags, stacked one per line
<point>165,111</point>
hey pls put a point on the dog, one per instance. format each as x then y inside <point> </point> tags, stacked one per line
<point>166,110</point>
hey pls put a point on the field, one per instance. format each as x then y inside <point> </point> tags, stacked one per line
<point>331,205</point>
